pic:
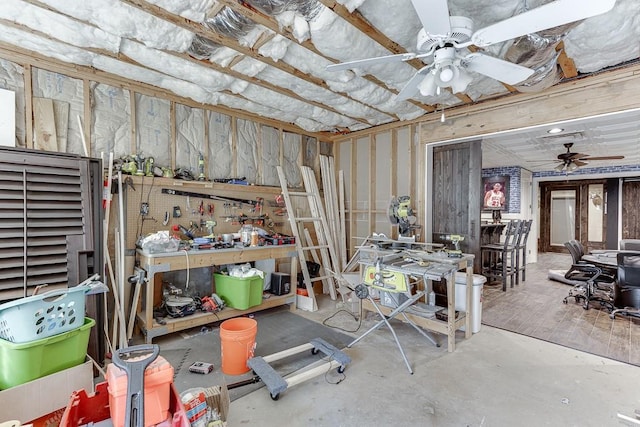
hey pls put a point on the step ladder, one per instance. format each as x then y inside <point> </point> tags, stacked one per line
<point>276,384</point>
<point>305,246</point>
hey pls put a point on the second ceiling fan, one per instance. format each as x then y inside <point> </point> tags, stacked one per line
<point>569,161</point>
<point>442,41</point>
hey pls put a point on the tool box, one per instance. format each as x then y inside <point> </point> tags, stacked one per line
<point>157,376</point>
<point>139,391</point>
<point>279,239</point>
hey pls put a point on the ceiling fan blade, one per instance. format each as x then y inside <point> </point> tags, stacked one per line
<point>579,163</point>
<point>588,159</point>
<point>412,85</point>
<point>576,156</point>
<point>370,61</point>
<point>499,69</point>
<point>434,16</point>
<point>550,15</point>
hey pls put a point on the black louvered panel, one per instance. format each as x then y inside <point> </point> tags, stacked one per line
<point>54,204</point>
<point>12,229</point>
<point>15,243</point>
<point>45,199</point>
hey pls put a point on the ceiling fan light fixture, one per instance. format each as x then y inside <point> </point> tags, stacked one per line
<point>560,167</point>
<point>446,74</point>
<point>461,82</point>
<point>571,167</point>
<point>428,85</point>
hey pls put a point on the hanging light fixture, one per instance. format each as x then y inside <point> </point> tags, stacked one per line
<point>446,72</point>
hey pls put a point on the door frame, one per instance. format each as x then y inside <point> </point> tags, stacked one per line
<point>581,188</point>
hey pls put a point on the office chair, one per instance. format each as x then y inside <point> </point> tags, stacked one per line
<point>630,245</point>
<point>395,290</point>
<point>593,283</point>
<point>576,249</point>
<point>626,290</point>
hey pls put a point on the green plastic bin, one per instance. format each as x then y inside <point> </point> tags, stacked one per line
<point>27,361</point>
<point>239,292</point>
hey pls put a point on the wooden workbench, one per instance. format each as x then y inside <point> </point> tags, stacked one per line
<point>160,263</point>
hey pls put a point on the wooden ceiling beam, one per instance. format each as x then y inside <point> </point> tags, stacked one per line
<point>229,42</point>
<point>30,58</point>
<point>269,22</point>
<point>567,65</point>
<point>205,63</point>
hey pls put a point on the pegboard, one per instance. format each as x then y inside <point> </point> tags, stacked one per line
<point>148,190</point>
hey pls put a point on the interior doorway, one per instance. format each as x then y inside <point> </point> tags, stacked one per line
<point>573,210</point>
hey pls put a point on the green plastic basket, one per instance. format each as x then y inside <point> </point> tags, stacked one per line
<point>24,362</point>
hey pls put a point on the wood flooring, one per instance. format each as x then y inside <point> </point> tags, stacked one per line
<point>535,308</point>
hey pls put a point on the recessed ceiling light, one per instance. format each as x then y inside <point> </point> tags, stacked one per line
<point>555,130</point>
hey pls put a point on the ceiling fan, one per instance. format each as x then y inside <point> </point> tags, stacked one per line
<point>443,37</point>
<point>571,161</point>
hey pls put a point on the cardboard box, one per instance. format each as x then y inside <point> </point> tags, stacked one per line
<point>43,396</point>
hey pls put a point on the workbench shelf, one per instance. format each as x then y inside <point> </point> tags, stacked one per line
<point>156,264</point>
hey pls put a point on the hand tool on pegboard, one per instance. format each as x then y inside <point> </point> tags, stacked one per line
<point>209,196</point>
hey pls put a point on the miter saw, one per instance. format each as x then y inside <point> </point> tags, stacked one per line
<point>402,215</point>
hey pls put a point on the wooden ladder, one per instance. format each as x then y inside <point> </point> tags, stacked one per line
<point>305,245</point>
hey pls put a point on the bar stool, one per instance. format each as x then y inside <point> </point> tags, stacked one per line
<point>498,260</point>
<point>521,250</point>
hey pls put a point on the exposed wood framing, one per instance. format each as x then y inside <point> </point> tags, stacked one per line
<point>234,145</point>
<point>205,63</point>
<point>259,151</point>
<point>205,127</point>
<point>173,134</point>
<point>86,112</point>
<point>270,23</point>
<point>25,57</point>
<point>132,106</point>
<point>606,93</point>
<point>352,194</point>
<point>393,167</point>
<point>28,116</point>
<point>566,63</point>
<point>229,42</point>
<point>616,90</point>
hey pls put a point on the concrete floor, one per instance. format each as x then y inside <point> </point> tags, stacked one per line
<point>496,378</point>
